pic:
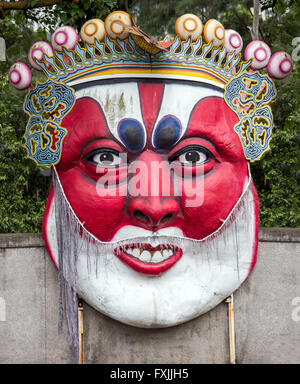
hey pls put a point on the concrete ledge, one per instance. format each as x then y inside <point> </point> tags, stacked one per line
<point>21,240</point>
<point>279,235</point>
<point>33,240</point>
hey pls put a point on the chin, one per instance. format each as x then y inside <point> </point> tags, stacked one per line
<point>161,279</point>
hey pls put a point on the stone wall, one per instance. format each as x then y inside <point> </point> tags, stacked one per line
<point>267,314</point>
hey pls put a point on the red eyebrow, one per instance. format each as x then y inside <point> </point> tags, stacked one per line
<point>213,119</point>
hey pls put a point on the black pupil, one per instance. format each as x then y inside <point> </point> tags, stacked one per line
<point>106,158</point>
<point>192,156</point>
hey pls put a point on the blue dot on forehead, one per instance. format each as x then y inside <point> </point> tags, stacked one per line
<point>168,131</point>
<point>132,134</point>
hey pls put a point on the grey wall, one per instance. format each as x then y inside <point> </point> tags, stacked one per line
<point>264,307</point>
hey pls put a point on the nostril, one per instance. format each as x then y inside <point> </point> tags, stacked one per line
<point>141,216</point>
<point>166,218</point>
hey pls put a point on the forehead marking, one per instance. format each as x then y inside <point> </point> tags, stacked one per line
<point>151,95</point>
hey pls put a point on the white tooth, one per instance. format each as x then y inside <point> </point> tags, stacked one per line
<point>165,253</point>
<point>136,252</point>
<point>170,252</point>
<point>157,257</point>
<point>145,256</point>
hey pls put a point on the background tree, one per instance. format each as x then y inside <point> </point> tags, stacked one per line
<point>24,187</point>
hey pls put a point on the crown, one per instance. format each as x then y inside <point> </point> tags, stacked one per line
<point>118,49</point>
<point>190,60</point>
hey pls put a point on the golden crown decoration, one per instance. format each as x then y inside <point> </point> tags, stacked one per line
<point>118,49</point>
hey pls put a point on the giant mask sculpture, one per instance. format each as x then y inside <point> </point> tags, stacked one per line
<point>153,216</point>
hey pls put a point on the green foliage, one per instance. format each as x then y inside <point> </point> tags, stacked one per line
<point>277,175</point>
<point>158,17</point>
<point>24,186</point>
<point>74,13</point>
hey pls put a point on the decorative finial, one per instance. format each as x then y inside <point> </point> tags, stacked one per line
<point>20,76</point>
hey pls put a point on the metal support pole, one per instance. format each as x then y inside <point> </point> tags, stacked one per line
<point>230,303</point>
<point>80,329</point>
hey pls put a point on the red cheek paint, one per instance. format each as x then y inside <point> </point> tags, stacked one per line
<point>104,215</point>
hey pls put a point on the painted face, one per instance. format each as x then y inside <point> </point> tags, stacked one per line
<point>158,166</point>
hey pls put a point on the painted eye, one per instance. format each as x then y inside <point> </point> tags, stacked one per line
<point>105,158</point>
<point>192,156</point>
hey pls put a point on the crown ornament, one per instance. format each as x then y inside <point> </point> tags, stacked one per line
<point>117,48</point>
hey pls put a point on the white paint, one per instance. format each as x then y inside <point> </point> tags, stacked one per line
<point>200,279</point>
<point>180,99</point>
<point>193,286</point>
<point>133,75</point>
<point>118,101</point>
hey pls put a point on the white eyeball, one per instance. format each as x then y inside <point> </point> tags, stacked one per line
<point>214,30</point>
<point>188,25</point>
<point>115,24</point>
<point>259,52</point>
<point>20,76</point>
<point>233,41</point>
<point>91,30</point>
<point>280,65</point>
<point>64,37</point>
<point>37,51</point>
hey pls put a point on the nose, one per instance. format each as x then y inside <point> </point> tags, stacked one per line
<point>154,213</point>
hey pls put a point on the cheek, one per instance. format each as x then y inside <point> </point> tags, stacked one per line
<point>101,215</point>
<point>219,192</point>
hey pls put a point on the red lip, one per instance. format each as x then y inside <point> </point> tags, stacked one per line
<point>149,268</point>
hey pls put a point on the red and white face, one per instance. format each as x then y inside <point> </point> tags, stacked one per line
<point>175,169</point>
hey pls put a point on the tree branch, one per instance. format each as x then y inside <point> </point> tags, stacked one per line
<point>25,4</point>
<point>255,26</point>
<point>264,7</point>
<point>22,5</point>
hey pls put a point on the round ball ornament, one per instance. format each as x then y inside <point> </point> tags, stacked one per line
<point>188,26</point>
<point>91,30</point>
<point>115,25</point>
<point>37,51</point>
<point>214,30</point>
<point>64,37</point>
<point>20,76</point>
<point>233,41</point>
<point>280,65</point>
<point>260,54</point>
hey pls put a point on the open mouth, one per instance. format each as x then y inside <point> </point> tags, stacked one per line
<point>147,259</point>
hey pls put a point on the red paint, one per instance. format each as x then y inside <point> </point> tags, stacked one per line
<point>104,216</point>
<point>256,216</point>
<point>159,213</point>
<point>150,100</point>
<point>55,139</point>
<point>222,178</point>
